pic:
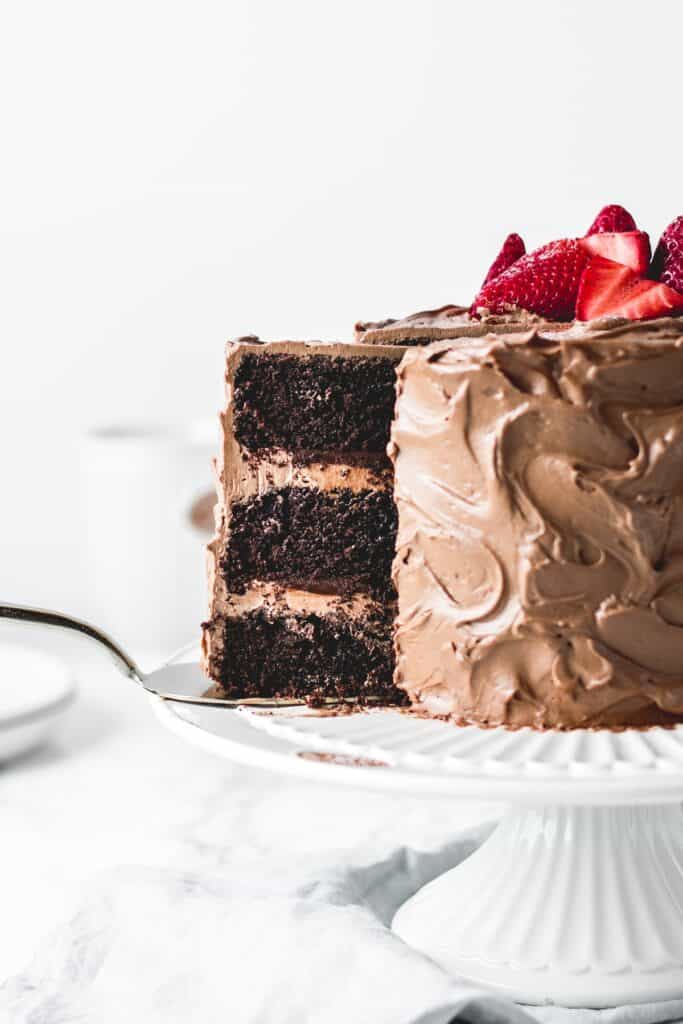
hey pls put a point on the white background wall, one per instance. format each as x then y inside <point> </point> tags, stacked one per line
<point>175,173</point>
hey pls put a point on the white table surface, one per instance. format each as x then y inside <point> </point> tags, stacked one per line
<point>114,788</point>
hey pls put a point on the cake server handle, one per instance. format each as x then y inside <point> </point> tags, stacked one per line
<point>44,617</point>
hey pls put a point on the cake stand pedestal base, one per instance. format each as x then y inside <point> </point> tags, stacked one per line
<point>579,906</point>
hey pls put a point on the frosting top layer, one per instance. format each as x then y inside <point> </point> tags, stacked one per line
<point>447,322</point>
<point>539,567</point>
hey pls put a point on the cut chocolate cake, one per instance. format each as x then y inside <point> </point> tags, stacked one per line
<point>302,602</point>
<point>540,517</point>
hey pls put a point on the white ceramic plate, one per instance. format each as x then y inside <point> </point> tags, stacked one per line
<point>35,691</point>
<point>387,750</point>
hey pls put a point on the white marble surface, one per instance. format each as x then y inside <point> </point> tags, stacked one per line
<point>115,790</point>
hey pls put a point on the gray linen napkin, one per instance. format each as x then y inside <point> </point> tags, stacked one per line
<point>265,942</point>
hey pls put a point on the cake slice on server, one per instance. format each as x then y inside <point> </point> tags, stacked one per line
<point>301,598</point>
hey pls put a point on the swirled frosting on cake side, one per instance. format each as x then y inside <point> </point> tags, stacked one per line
<point>539,565</point>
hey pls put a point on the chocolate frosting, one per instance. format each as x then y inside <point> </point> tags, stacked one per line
<point>446,322</point>
<point>539,566</point>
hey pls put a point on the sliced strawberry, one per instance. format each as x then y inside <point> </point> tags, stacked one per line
<point>611,289</point>
<point>611,219</point>
<point>632,248</point>
<point>545,282</point>
<point>667,265</point>
<point>649,300</point>
<point>512,249</point>
<point>603,285</point>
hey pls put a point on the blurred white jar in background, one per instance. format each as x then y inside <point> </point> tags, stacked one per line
<point>148,496</point>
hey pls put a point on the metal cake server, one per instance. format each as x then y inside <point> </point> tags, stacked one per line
<point>181,681</point>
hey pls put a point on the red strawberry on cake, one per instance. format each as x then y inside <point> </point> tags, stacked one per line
<point>513,249</point>
<point>631,248</point>
<point>667,265</point>
<point>545,282</point>
<point>609,289</point>
<point>610,219</point>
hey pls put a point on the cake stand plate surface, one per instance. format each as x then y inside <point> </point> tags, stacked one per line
<point>577,896</point>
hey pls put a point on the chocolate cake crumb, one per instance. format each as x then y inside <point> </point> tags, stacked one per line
<point>347,760</point>
<point>308,656</point>
<point>336,541</point>
<point>313,403</point>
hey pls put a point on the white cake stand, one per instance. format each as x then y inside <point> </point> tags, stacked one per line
<point>577,896</point>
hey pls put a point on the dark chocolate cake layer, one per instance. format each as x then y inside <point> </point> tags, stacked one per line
<point>335,655</point>
<point>338,541</point>
<point>313,403</point>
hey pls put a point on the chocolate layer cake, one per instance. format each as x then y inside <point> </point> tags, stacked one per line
<point>302,602</point>
<point>539,566</point>
<point>539,488</point>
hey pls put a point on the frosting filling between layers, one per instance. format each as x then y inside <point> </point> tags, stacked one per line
<point>539,566</point>
<point>285,599</point>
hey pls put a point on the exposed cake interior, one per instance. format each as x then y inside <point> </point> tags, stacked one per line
<point>313,403</point>
<point>324,650</point>
<point>331,541</point>
<point>302,603</point>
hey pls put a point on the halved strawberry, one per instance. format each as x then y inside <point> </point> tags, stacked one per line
<point>545,282</point>
<point>667,265</point>
<point>611,289</point>
<point>612,218</point>
<point>603,285</point>
<point>632,248</point>
<point>512,249</point>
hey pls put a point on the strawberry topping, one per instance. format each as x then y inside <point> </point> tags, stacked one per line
<point>611,289</point>
<point>512,249</point>
<point>607,273</point>
<point>612,219</point>
<point>632,248</point>
<point>545,282</point>
<point>667,265</point>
